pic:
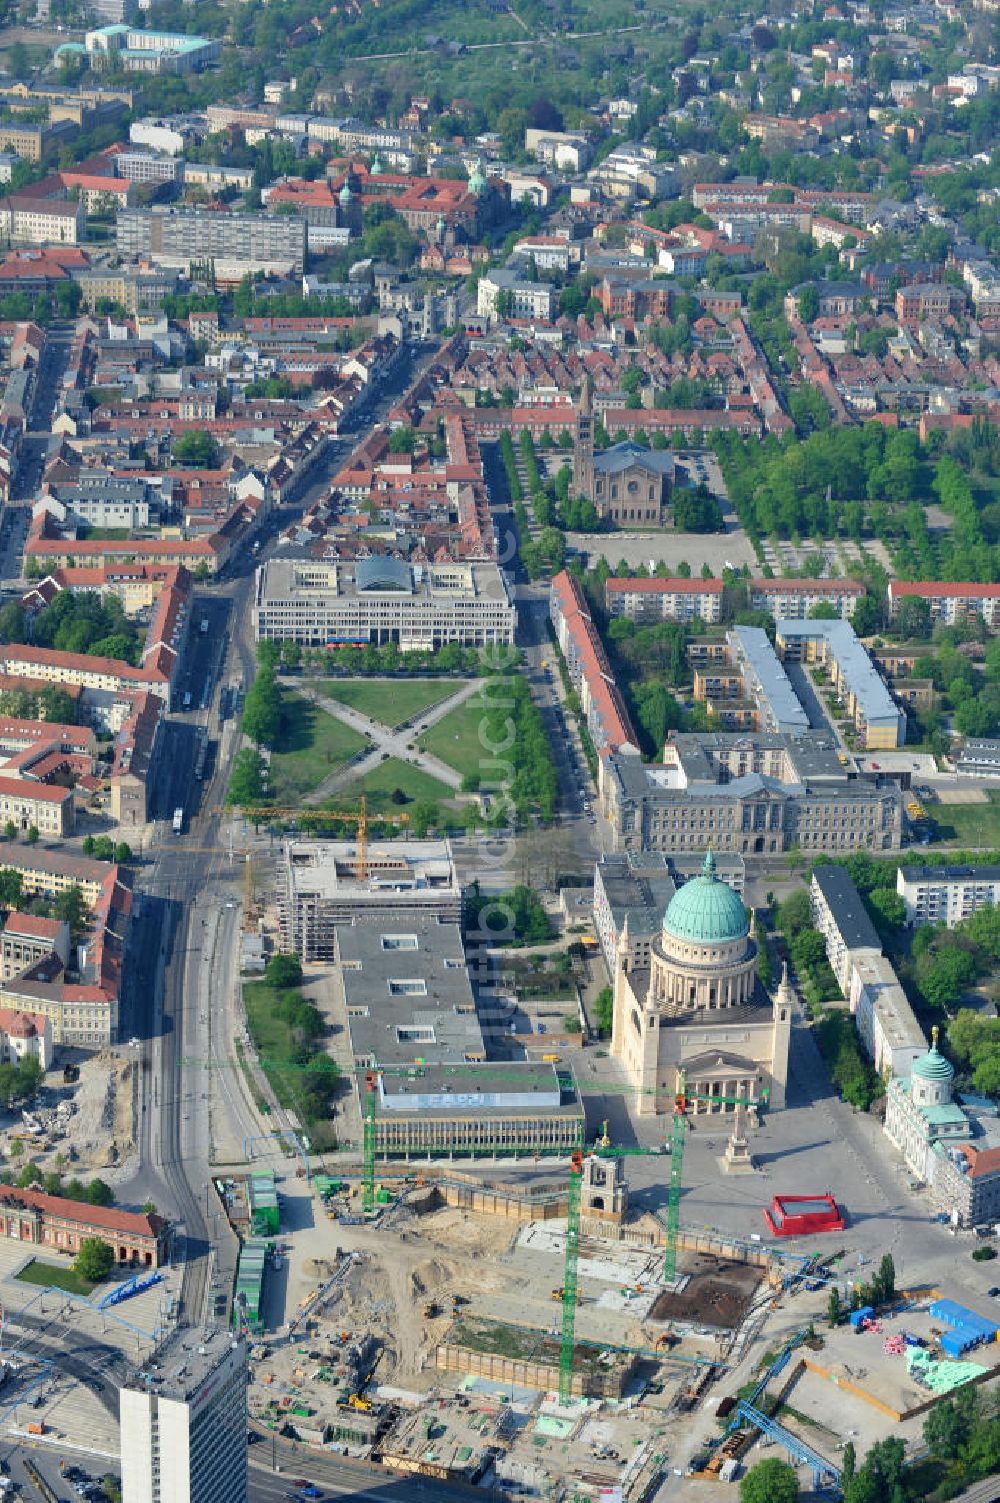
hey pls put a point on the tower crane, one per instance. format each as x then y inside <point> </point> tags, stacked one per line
<point>677,1134</point>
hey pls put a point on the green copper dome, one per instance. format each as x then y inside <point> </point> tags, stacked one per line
<point>933,1065</point>
<point>477,182</point>
<point>706,911</point>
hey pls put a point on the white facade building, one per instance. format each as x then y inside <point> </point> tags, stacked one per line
<point>185,1440</point>
<point>518,299</point>
<point>382,600</point>
<point>946,894</point>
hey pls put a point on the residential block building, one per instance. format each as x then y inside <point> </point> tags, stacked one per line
<point>589,669</point>
<point>649,600</point>
<point>946,894</point>
<point>834,645</point>
<point>237,243</point>
<point>793,599</point>
<point>950,602</point>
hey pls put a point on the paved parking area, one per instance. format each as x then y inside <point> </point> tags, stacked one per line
<point>718,550</point>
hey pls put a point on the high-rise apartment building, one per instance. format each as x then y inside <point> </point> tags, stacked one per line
<point>184,1429</point>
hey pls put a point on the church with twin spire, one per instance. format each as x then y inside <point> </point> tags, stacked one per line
<point>697,1011</point>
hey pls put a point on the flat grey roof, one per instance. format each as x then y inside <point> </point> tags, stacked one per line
<point>849,912</point>
<point>408,993</point>
<point>508,1086</point>
<point>950,873</point>
<point>857,668</point>
<point>638,889</point>
<point>180,1366</point>
<point>753,647</point>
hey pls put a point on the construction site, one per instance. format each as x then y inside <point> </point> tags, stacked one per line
<point>437,1339</point>
<point>537,1327</point>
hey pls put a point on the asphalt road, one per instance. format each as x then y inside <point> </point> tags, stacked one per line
<point>338,1478</point>
<point>16,515</point>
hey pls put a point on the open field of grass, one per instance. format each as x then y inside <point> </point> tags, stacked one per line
<point>971,826</point>
<point>383,782</point>
<point>391,701</point>
<point>312,745</point>
<point>455,739</point>
<point>55,1276</point>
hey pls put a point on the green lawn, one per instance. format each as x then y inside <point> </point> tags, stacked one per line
<point>455,739</point>
<point>276,1042</point>
<point>970,826</point>
<point>55,1276</point>
<point>312,745</point>
<point>386,778</point>
<point>391,701</point>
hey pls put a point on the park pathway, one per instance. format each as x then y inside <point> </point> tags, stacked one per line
<point>388,742</point>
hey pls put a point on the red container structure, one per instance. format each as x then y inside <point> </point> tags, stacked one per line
<point>803,1215</point>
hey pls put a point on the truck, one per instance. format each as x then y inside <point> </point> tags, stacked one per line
<point>178,820</point>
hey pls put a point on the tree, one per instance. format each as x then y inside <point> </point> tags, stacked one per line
<point>604,1006</point>
<point>99,1193</point>
<point>808,300</point>
<point>94,1261</point>
<point>71,906</point>
<point>848,1462</point>
<point>887,909</point>
<point>946,1428</point>
<point>10,830</point>
<point>268,654</point>
<point>886,1278</point>
<point>424,816</point>
<point>18,65</point>
<point>32,835</point>
<point>833,1308</point>
<point>262,709</point>
<point>794,914</point>
<point>149,1208</point>
<point>913,618</point>
<point>246,786</point>
<point>197,449</point>
<point>770,1481</point>
<point>283,971</point>
<point>11,887</point>
<point>402,441</point>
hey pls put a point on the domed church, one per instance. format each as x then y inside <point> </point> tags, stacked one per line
<point>698,1004</point>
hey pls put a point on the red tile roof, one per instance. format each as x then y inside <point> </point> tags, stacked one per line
<point>32,927</point>
<point>807,586</point>
<point>936,589</point>
<point>634,585</point>
<point>42,793</point>
<point>101,1218</point>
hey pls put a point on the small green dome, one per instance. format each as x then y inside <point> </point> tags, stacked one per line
<point>346,196</point>
<point>477,182</point>
<point>376,169</point>
<point>933,1065</point>
<point>706,910</point>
